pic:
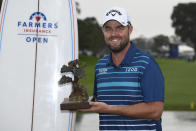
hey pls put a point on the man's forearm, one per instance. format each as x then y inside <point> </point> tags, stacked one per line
<point>152,110</point>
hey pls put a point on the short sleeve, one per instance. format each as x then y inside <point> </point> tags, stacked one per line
<point>152,83</point>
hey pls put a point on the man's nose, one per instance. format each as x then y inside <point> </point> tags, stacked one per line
<point>114,32</point>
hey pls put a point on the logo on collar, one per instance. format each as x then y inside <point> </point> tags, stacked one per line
<point>113,12</point>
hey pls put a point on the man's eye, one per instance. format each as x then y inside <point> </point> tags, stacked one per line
<point>108,29</point>
<point>120,28</point>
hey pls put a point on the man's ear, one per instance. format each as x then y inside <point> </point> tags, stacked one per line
<point>130,29</point>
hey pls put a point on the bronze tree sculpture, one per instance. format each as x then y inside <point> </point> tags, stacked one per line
<point>79,93</point>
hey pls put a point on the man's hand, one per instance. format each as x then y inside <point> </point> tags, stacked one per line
<point>98,107</point>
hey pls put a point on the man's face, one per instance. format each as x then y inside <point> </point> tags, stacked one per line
<point>116,35</point>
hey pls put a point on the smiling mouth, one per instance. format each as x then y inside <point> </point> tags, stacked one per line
<point>115,39</point>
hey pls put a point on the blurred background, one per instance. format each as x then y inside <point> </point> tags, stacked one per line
<point>164,28</point>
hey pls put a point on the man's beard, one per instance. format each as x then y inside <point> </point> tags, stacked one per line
<point>119,48</point>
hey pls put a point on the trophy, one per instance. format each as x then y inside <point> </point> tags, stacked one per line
<point>78,98</point>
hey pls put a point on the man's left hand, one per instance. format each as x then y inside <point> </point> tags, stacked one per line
<point>98,107</point>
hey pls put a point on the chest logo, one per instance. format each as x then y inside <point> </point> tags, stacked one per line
<point>103,70</point>
<point>131,69</point>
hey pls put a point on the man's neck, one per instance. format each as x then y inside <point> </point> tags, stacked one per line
<point>117,58</point>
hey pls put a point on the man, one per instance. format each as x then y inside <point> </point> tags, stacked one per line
<point>129,85</point>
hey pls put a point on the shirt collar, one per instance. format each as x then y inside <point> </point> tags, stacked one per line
<point>127,59</point>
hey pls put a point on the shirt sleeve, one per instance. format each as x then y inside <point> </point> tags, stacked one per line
<point>152,83</point>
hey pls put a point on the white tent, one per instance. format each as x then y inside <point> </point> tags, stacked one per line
<point>186,51</point>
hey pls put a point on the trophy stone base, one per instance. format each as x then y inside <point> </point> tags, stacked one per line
<point>67,105</point>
